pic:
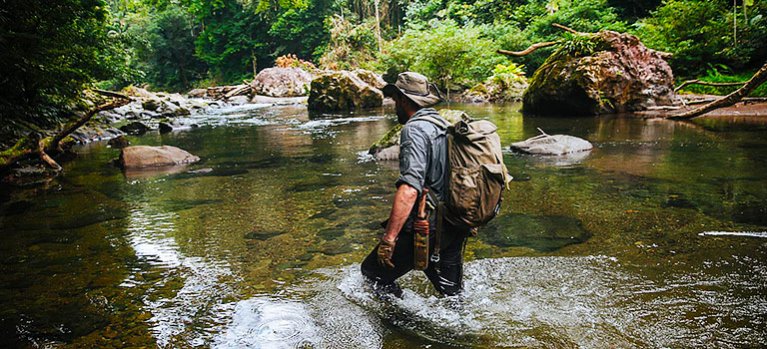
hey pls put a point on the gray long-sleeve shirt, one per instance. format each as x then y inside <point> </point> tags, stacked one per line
<point>423,153</point>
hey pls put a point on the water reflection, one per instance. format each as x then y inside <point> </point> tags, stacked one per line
<point>255,245</point>
<point>185,292</point>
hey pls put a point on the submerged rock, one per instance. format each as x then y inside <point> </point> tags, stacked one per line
<point>612,72</point>
<point>29,175</point>
<point>141,156</point>
<point>544,144</point>
<point>282,82</point>
<point>342,90</point>
<point>135,128</point>
<point>542,233</point>
<point>119,142</point>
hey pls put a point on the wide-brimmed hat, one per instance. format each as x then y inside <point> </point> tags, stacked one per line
<point>416,87</point>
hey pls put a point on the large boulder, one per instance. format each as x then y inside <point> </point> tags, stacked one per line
<point>282,82</point>
<point>617,73</point>
<point>342,90</point>
<point>142,156</point>
<point>370,78</point>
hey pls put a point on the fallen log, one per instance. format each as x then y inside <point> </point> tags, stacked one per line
<point>238,90</point>
<point>33,144</point>
<point>41,145</point>
<point>759,78</point>
<point>122,100</point>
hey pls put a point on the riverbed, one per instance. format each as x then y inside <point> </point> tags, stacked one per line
<point>655,238</point>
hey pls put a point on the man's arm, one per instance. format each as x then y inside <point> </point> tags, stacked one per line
<point>404,199</point>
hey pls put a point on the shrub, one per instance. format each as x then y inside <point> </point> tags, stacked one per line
<point>700,32</point>
<point>453,57</point>
<point>351,46</point>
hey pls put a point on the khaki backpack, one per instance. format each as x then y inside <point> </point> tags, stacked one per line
<point>477,174</point>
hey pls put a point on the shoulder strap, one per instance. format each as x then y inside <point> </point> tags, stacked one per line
<point>437,121</point>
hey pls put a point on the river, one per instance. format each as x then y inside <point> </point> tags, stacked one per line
<point>656,238</point>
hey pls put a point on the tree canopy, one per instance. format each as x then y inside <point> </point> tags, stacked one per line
<point>51,51</point>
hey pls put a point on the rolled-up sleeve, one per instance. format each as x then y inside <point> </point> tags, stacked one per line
<point>413,157</point>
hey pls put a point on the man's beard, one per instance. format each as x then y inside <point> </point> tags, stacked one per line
<point>401,115</point>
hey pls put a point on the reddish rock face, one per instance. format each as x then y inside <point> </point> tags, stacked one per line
<point>282,82</point>
<point>621,75</point>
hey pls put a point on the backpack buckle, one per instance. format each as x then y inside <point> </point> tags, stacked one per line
<point>434,258</point>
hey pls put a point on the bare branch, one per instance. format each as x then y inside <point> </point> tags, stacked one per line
<point>568,29</point>
<point>759,78</point>
<point>528,50</point>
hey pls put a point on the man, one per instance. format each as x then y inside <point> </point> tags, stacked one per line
<point>423,163</point>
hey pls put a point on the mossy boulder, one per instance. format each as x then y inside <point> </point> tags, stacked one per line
<point>605,72</point>
<point>387,147</point>
<point>342,90</point>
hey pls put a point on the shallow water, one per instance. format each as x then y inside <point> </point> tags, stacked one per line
<point>653,239</point>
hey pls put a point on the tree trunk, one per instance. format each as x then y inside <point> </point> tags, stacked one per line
<point>56,140</point>
<point>759,78</point>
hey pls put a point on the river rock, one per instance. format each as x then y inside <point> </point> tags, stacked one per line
<point>119,142</point>
<point>552,145</point>
<point>492,91</point>
<point>239,100</point>
<point>134,128</point>
<point>282,82</point>
<point>619,75</point>
<point>142,156</point>
<point>134,91</point>
<point>387,147</point>
<point>151,104</point>
<point>197,93</point>
<point>165,127</point>
<point>342,90</point>
<point>370,78</point>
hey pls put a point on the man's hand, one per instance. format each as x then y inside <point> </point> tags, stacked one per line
<point>385,251</point>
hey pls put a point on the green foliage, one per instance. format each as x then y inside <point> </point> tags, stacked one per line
<point>450,55</point>
<point>351,46</point>
<point>698,32</point>
<point>232,38</point>
<point>506,75</point>
<point>172,63</point>
<point>302,31</point>
<point>721,73</point>
<point>49,51</point>
<point>576,45</point>
<point>532,23</point>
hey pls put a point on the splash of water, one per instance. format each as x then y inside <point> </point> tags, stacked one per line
<point>752,234</point>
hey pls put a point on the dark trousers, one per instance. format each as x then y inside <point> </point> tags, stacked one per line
<point>446,276</point>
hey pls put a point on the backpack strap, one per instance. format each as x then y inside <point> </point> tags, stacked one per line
<point>437,121</point>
